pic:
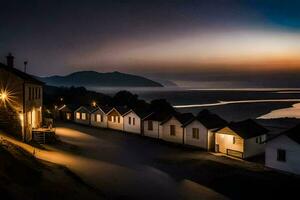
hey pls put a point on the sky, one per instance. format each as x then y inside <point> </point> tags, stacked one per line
<point>211,43</point>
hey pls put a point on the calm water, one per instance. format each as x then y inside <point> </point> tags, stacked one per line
<point>232,104</point>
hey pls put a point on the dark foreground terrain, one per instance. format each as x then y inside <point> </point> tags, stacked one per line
<point>24,177</point>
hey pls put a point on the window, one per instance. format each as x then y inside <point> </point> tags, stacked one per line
<point>150,125</point>
<point>83,116</point>
<point>133,121</point>
<point>39,94</point>
<point>32,93</point>
<point>101,118</point>
<point>77,115</point>
<point>110,118</point>
<point>98,117</point>
<point>281,155</point>
<point>114,117</point>
<point>259,140</point>
<point>129,120</point>
<point>233,140</point>
<point>196,133</point>
<point>29,95</point>
<point>36,93</point>
<point>118,119</point>
<point>68,116</point>
<point>172,130</point>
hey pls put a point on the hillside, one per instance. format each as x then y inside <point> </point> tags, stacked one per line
<point>22,176</point>
<point>96,79</point>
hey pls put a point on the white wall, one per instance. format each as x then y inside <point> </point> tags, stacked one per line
<point>251,148</point>
<point>102,123</point>
<point>151,133</point>
<point>203,135</point>
<point>225,141</point>
<point>292,149</point>
<point>178,137</point>
<point>115,125</point>
<point>132,128</point>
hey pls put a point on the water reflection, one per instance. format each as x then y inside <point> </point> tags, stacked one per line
<point>292,112</point>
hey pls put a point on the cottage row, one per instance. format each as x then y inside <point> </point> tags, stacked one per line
<point>208,131</point>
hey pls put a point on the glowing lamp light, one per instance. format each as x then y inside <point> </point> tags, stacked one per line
<point>94,103</point>
<point>3,96</point>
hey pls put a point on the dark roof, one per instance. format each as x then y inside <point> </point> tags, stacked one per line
<point>293,133</point>
<point>183,118</point>
<point>209,120</point>
<point>142,113</point>
<point>122,110</point>
<point>105,109</point>
<point>247,129</point>
<point>23,75</point>
<point>69,107</point>
<point>158,116</point>
<point>89,108</point>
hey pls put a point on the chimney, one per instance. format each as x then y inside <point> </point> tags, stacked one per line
<point>10,60</point>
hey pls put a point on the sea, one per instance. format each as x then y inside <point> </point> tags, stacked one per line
<point>233,104</point>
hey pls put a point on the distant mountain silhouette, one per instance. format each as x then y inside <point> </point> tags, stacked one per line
<point>96,79</point>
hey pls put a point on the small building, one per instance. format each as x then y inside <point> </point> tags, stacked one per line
<point>21,101</point>
<point>199,132</point>
<point>66,112</point>
<point>99,116</point>
<point>83,114</point>
<point>133,121</point>
<point>283,151</point>
<point>115,117</point>
<point>152,127</point>
<point>172,128</point>
<point>242,139</point>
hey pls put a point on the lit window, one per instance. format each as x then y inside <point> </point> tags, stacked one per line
<point>78,115</point>
<point>150,125</point>
<point>172,130</point>
<point>196,133</point>
<point>83,116</point>
<point>281,155</point>
<point>98,118</point>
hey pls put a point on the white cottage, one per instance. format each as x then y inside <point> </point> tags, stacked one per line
<point>133,121</point>
<point>99,116</point>
<point>115,119</point>
<point>172,128</point>
<point>152,127</point>
<point>283,151</point>
<point>241,139</point>
<point>82,114</point>
<point>199,132</point>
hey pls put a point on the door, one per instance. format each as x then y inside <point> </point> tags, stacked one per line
<point>217,148</point>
